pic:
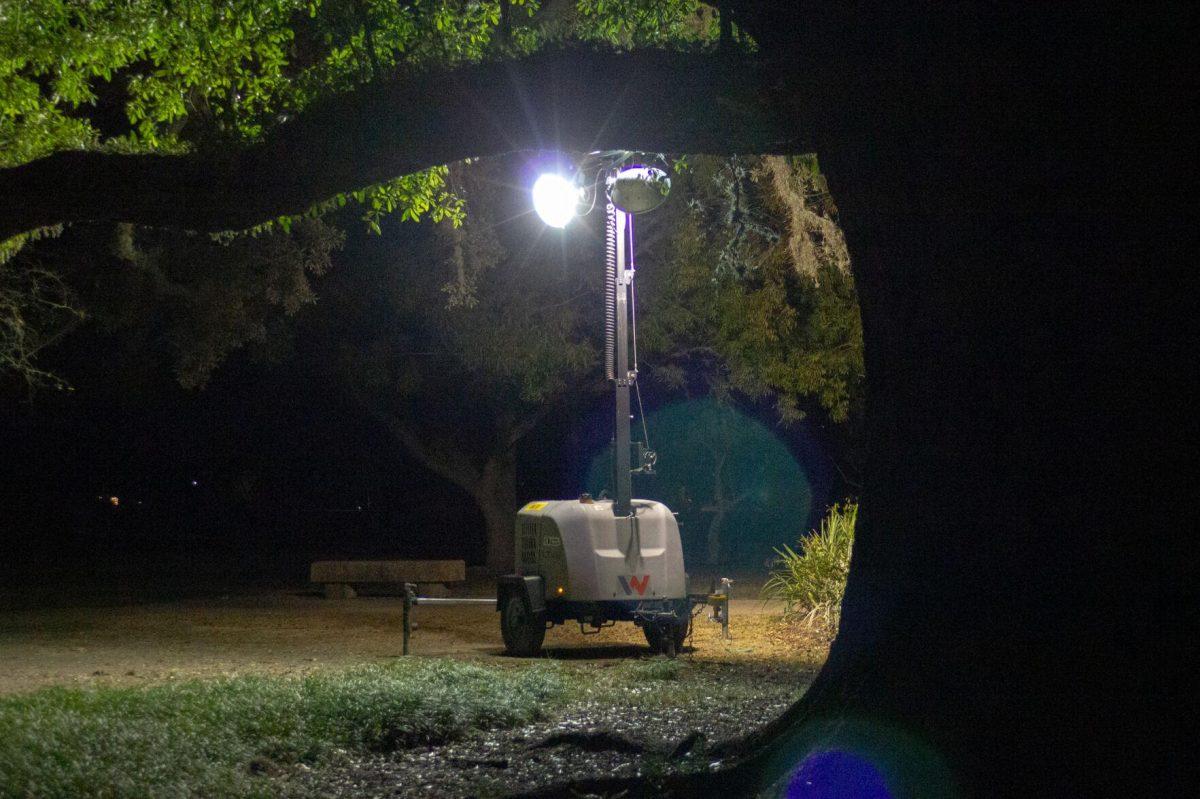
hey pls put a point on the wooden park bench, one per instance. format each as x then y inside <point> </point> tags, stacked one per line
<point>343,579</point>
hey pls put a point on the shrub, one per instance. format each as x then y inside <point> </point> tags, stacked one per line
<point>811,582</point>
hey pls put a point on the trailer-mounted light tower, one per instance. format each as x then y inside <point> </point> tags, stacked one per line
<point>583,560</point>
<point>588,561</point>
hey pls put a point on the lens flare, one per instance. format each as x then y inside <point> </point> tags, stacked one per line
<point>555,199</point>
<point>712,456</point>
<point>837,775</point>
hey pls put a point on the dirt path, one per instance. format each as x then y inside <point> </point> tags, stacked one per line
<point>278,631</point>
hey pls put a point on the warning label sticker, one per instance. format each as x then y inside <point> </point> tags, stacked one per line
<point>532,506</point>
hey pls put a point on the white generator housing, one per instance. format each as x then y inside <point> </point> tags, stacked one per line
<point>585,554</point>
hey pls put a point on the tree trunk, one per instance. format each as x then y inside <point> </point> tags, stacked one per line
<point>1009,555</point>
<point>979,621</point>
<point>720,508</point>
<point>1018,202</point>
<point>496,496</point>
<point>713,538</point>
<point>493,486</point>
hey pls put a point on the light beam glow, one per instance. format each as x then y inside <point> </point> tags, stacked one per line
<point>555,199</point>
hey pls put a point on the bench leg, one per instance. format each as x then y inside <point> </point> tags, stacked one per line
<point>339,591</point>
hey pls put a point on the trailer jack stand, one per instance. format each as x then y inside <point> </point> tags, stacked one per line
<point>410,593</point>
<point>719,602</point>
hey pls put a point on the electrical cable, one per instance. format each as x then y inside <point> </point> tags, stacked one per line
<point>594,192</point>
<point>637,387</point>
<point>632,294</point>
<point>642,413</point>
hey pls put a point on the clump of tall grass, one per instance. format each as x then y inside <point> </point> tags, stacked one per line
<point>656,669</point>
<point>812,582</point>
<point>220,738</point>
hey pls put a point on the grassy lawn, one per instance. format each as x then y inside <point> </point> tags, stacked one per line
<point>225,737</point>
<point>245,736</point>
<point>277,694</point>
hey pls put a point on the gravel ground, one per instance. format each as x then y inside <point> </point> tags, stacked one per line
<point>611,733</point>
<point>280,631</point>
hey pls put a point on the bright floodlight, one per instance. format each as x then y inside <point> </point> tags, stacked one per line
<point>555,199</point>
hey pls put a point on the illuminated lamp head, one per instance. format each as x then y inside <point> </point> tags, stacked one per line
<point>555,199</point>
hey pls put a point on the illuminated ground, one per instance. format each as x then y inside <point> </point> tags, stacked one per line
<point>624,713</point>
<point>279,631</point>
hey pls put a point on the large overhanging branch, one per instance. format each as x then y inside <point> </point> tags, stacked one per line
<point>573,99</point>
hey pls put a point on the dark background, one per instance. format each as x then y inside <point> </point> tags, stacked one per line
<point>261,472</point>
<point>272,465</point>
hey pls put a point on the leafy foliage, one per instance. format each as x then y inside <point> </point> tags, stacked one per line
<point>217,738</point>
<point>188,74</point>
<point>811,582</point>
<point>498,318</point>
<point>731,301</point>
<point>193,300</point>
<point>156,76</point>
<point>487,312</point>
<point>647,23</point>
<point>149,75</point>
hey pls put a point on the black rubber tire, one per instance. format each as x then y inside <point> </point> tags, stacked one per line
<point>522,630</point>
<point>666,645</point>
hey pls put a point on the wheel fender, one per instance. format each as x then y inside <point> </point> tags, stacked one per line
<point>530,588</point>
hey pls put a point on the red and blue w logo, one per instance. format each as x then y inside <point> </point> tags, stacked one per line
<point>631,584</point>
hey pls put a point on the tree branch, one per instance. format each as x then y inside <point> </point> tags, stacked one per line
<point>571,99</point>
<point>522,427</point>
<point>447,462</point>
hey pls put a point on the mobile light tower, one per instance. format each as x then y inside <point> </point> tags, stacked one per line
<point>598,562</point>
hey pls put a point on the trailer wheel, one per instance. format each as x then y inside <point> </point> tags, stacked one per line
<point>667,638</point>
<point>523,630</point>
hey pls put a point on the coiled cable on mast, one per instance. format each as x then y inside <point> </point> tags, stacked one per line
<point>610,291</point>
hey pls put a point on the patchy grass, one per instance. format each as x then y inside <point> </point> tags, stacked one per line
<point>226,737</point>
<point>656,683</point>
<point>655,669</point>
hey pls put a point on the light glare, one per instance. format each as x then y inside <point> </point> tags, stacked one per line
<point>555,199</point>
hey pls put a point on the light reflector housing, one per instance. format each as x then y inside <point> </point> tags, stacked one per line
<point>637,189</point>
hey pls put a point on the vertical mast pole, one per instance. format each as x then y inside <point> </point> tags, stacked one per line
<point>623,501</point>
